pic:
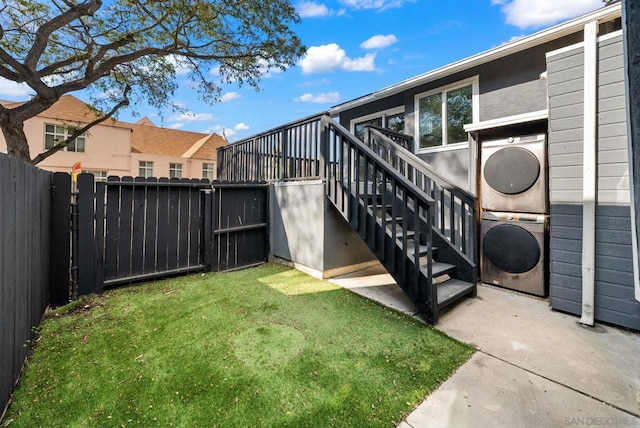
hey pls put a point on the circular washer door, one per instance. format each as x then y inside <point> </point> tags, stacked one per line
<point>511,170</point>
<point>511,248</point>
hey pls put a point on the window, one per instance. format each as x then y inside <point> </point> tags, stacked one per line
<point>207,171</point>
<point>442,114</point>
<point>175,170</point>
<point>98,175</point>
<point>145,169</point>
<point>391,119</point>
<point>56,133</point>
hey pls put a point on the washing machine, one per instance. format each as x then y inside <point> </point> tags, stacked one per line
<point>513,251</point>
<point>514,174</point>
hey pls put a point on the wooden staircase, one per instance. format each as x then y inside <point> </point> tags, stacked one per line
<point>400,232</point>
<point>420,228</point>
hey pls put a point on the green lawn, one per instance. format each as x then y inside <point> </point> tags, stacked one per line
<point>267,346</point>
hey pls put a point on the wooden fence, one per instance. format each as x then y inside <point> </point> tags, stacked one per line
<point>30,221</point>
<point>139,229</point>
<point>121,231</point>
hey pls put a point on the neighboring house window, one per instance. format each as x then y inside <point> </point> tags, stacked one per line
<point>207,171</point>
<point>56,133</point>
<point>175,170</point>
<point>391,119</point>
<point>145,169</point>
<point>442,114</point>
<point>98,175</point>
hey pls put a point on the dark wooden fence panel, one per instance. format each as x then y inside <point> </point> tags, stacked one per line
<point>124,230</point>
<point>141,228</point>
<point>60,262</point>
<point>240,225</point>
<point>25,221</point>
<point>133,230</point>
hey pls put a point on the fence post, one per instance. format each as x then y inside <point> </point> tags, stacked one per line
<point>284,154</point>
<point>215,220</point>
<point>208,229</point>
<point>86,235</point>
<point>60,236</point>
<point>101,189</point>
<point>324,150</point>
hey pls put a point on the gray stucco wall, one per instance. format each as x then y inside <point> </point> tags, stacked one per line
<point>614,301</point>
<point>507,86</point>
<point>306,229</point>
<point>453,165</point>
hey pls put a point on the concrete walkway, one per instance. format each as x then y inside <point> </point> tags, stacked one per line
<point>534,367</point>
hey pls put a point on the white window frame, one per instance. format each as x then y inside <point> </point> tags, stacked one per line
<point>148,167</point>
<point>98,175</point>
<point>211,171</point>
<point>64,135</point>
<point>383,114</point>
<point>175,170</point>
<point>475,107</point>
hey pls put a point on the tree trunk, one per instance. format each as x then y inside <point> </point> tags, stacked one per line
<point>16,139</point>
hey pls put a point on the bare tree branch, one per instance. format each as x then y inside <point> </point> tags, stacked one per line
<point>44,32</point>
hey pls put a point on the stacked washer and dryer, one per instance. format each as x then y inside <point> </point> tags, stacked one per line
<point>513,232</point>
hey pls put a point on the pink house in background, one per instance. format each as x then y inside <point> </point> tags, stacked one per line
<point>119,148</point>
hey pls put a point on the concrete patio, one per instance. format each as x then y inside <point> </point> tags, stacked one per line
<point>534,367</point>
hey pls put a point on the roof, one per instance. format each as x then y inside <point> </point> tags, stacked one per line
<point>147,138</point>
<point>553,33</point>
<point>70,108</point>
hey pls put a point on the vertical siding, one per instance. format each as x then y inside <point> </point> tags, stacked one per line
<point>24,263</point>
<point>614,298</point>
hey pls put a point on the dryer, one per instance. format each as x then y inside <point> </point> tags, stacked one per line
<point>513,251</point>
<point>514,174</point>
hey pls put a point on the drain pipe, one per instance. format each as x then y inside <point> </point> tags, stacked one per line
<point>589,171</point>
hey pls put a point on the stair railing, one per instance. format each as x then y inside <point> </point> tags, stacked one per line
<point>383,206</point>
<point>455,209</point>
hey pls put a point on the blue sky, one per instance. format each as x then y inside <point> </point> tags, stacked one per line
<point>355,47</point>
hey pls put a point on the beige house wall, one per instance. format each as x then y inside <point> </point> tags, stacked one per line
<point>191,168</point>
<point>107,148</point>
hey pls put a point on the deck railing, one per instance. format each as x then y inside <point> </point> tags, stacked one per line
<point>289,152</point>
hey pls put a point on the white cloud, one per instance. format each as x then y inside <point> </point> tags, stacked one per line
<point>379,41</point>
<point>241,127</point>
<point>326,58</point>
<point>229,96</point>
<point>323,98</point>
<point>381,5</point>
<point>366,63</point>
<point>537,13</point>
<point>310,9</point>
<point>12,89</point>
<point>180,64</point>
<point>176,125</point>
<point>192,117</point>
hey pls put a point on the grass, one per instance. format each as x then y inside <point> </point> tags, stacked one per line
<point>267,346</point>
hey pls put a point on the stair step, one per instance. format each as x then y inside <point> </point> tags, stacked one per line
<point>438,268</point>
<point>423,249</point>
<point>453,290</point>
<point>410,233</point>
